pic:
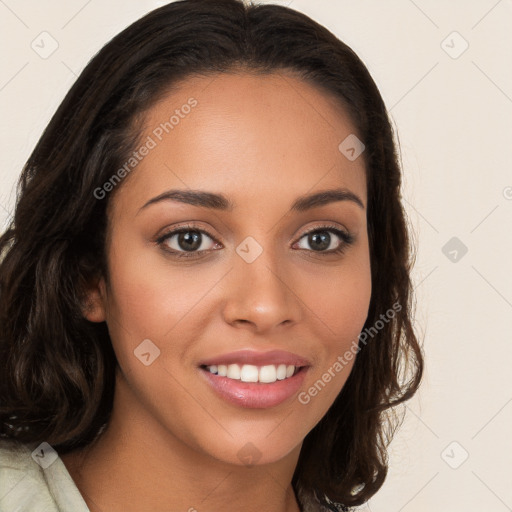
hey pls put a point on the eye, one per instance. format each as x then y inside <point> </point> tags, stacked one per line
<point>190,241</point>
<point>322,241</point>
<point>187,241</point>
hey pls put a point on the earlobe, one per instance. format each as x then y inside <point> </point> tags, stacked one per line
<point>94,305</point>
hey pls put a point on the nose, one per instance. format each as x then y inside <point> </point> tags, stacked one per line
<point>261,296</point>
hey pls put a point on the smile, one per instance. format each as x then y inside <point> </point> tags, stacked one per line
<point>251,373</point>
<point>254,379</point>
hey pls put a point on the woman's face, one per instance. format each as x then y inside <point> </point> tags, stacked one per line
<point>243,291</point>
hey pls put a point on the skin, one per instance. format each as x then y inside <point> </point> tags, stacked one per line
<point>172,443</point>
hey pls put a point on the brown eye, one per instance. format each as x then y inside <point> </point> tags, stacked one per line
<point>322,240</point>
<point>187,241</point>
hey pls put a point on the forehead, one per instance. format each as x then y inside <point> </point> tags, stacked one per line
<point>246,135</point>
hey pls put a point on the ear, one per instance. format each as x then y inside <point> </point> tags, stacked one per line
<point>94,308</point>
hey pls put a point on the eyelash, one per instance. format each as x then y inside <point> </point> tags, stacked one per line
<point>346,237</point>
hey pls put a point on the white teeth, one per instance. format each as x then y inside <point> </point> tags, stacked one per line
<point>233,372</point>
<point>251,373</point>
<point>268,373</point>
<point>281,372</point>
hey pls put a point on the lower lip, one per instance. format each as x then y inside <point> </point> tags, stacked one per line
<point>255,395</point>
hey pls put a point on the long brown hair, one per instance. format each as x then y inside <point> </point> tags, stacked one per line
<point>57,374</point>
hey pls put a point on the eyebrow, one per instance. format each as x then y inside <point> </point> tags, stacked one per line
<point>220,202</point>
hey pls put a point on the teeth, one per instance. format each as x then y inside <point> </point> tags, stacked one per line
<point>251,373</point>
<point>268,373</point>
<point>281,372</point>
<point>233,372</point>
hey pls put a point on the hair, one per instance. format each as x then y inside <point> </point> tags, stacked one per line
<point>58,369</point>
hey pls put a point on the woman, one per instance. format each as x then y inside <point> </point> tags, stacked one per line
<point>205,301</point>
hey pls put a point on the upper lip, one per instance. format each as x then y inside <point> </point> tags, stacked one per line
<point>257,358</point>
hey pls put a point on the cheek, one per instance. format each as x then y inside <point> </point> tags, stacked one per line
<point>341,302</point>
<point>341,299</point>
<point>150,296</point>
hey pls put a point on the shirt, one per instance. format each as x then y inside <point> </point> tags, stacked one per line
<point>33,478</point>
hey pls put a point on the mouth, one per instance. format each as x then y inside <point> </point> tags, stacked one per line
<point>251,373</point>
<point>256,380</point>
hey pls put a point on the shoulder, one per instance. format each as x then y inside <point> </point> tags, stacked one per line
<point>22,483</point>
<point>33,480</point>
<point>14,456</point>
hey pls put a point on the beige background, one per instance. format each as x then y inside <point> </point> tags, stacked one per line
<point>454,117</point>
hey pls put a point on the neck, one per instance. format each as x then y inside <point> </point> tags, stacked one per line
<point>137,464</point>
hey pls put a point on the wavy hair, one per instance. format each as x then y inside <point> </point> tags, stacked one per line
<point>57,368</point>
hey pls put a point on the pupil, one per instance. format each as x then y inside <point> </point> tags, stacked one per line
<point>189,240</point>
<point>324,242</point>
